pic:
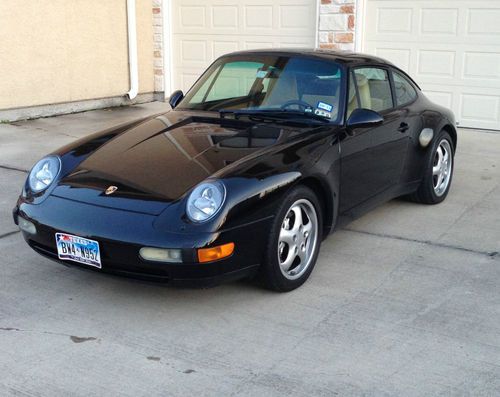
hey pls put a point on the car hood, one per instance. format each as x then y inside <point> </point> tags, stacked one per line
<point>159,160</point>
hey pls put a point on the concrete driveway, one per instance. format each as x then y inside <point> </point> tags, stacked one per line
<point>403,302</point>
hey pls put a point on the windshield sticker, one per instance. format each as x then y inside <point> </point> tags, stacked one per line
<point>323,113</point>
<point>324,106</point>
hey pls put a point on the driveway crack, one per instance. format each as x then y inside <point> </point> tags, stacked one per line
<point>8,234</point>
<point>73,338</point>
<point>491,254</point>
<point>10,168</point>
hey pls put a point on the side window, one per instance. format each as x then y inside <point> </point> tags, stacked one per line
<point>374,89</point>
<point>404,90</point>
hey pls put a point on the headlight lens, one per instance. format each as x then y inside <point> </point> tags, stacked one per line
<point>205,201</point>
<point>43,173</point>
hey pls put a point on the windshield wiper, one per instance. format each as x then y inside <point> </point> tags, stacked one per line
<point>275,114</point>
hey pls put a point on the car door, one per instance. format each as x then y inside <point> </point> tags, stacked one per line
<point>372,158</point>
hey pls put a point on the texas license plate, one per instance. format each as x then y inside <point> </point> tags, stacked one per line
<point>78,249</point>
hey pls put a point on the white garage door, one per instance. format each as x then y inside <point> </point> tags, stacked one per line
<point>450,47</point>
<point>204,30</point>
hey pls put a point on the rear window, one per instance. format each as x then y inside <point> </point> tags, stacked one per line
<point>405,93</point>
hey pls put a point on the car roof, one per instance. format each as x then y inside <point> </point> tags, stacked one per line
<point>346,57</point>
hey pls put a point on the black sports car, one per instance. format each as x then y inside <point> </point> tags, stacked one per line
<point>267,154</point>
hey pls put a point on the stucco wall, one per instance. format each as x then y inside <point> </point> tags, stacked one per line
<point>54,51</point>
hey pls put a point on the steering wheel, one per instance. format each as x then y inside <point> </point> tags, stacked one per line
<point>297,102</point>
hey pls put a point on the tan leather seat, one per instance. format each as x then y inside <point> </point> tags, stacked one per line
<point>364,95</point>
<point>364,91</point>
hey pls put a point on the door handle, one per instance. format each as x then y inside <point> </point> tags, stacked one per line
<point>403,127</point>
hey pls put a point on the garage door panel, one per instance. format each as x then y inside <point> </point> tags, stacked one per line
<point>193,17</point>
<point>393,20</point>
<point>439,21</point>
<point>258,17</point>
<point>225,17</point>
<point>451,48</point>
<point>438,63</point>
<point>203,32</point>
<point>193,51</point>
<point>482,65</point>
<point>296,17</point>
<point>479,107</point>
<point>483,21</point>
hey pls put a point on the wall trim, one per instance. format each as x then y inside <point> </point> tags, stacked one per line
<point>35,112</point>
<point>316,38</point>
<point>167,47</point>
<point>358,27</point>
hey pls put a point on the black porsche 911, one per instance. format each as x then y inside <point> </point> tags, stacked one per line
<point>268,153</point>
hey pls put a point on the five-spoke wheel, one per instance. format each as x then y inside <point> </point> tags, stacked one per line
<point>442,166</point>
<point>297,239</point>
<point>294,240</point>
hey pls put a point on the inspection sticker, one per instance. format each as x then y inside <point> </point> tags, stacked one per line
<point>323,113</point>
<point>324,106</point>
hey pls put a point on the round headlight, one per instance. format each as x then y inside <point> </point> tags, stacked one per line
<point>205,201</point>
<point>43,173</point>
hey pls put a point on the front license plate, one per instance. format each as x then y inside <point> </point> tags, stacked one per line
<point>78,249</point>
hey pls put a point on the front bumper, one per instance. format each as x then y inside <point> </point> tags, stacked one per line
<point>121,234</point>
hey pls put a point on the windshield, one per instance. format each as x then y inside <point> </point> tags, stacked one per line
<point>269,83</point>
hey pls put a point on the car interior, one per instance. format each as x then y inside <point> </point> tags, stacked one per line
<point>306,87</point>
<point>374,90</point>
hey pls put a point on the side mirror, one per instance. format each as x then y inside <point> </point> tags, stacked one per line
<point>175,98</point>
<point>364,118</point>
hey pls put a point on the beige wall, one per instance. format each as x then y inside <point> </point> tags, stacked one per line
<point>55,51</point>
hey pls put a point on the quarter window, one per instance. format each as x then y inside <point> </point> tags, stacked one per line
<point>374,89</point>
<point>404,90</point>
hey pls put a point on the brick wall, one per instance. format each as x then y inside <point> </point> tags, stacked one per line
<point>158,45</point>
<point>337,24</point>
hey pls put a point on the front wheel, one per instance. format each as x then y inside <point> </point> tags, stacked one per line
<point>294,242</point>
<point>438,172</point>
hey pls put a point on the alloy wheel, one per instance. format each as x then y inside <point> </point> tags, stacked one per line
<point>298,239</point>
<point>442,167</point>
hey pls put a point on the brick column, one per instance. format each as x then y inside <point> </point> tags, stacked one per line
<point>158,45</point>
<point>337,24</point>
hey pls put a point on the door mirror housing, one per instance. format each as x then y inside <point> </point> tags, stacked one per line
<point>364,118</point>
<point>175,98</point>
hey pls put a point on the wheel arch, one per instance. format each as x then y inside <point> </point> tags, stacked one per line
<point>326,199</point>
<point>453,133</point>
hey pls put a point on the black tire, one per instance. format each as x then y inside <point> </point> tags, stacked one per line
<point>426,193</point>
<point>270,273</point>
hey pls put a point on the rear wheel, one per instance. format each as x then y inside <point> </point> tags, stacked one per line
<point>294,242</point>
<point>438,172</point>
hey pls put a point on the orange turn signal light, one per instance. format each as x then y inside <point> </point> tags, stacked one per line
<point>215,253</point>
